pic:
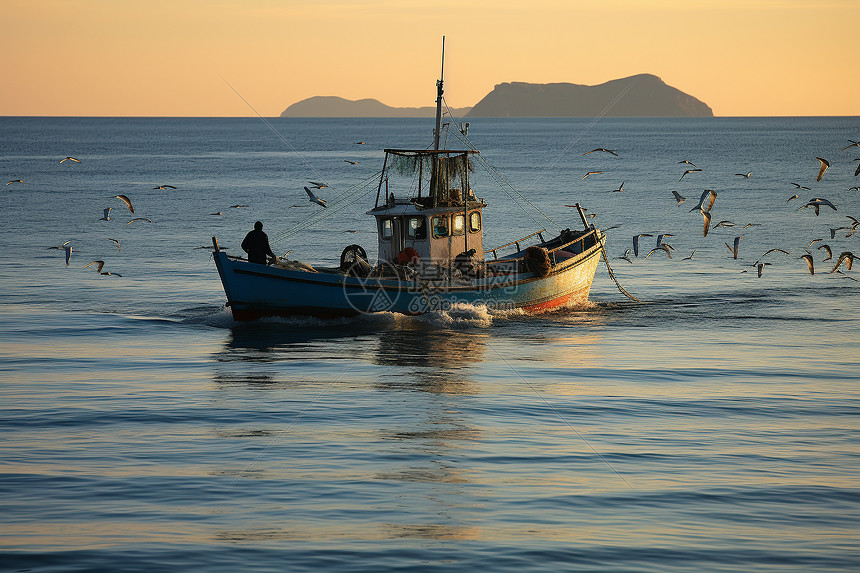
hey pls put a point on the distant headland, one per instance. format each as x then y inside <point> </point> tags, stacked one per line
<point>642,95</point>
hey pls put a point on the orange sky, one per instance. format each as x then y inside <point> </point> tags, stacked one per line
<point>170,58</point>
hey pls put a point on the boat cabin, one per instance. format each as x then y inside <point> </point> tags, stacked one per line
<point>425,203</point>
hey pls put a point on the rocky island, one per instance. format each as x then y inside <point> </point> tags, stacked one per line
<point>642,95</point>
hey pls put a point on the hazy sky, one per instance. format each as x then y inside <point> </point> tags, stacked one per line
<point>172,57</point>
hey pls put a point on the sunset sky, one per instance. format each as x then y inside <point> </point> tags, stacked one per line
<point>174,57</point>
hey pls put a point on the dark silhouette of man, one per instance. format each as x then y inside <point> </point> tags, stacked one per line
<point>256,244</point>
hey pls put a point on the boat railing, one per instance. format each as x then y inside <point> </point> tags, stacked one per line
<point>586,235</point>
<point>517,243</point>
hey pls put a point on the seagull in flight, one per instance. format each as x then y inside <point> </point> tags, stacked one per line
<point>824,165</point>
<point>857,171</point>
<point>67,247</point>
<point>817,202</point>
<point>14,181</point>
<point>117,244</point>
<point>351,162</point>
<point>165,187</point>
<point>602,149</point>
<point>795,196</point>
<point>144,219</point>
<point>826,250</point>
<point>700,206</point>
<point>747,175</point>
<point>809,263</point>
<point>678,197</point>
<point>626,256</point>
<point>315,199</point>
<point>590,173</point>
<point>125,200</point>
<point>620,189</point>
<point>237,206</point>
<point>688,171</point>
<point>852,144</point>
<point>636,242</point>
<point>688,162</point>
<point>734,249</point>
<point>723,224</point>
<point>760,267</point>
<point>70,159</point>
<point>775,251</point>
<point>317,185</point>
<point>799,186</point>
<point>106,216</point>
<point>848,258</point>
<point>664,248</point>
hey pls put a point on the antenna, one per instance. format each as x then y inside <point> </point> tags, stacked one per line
<point>439,92</point>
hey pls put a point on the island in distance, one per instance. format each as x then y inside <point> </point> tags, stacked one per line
<point>644,95</point>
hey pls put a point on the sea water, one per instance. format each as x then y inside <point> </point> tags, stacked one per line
<point>713,426</point>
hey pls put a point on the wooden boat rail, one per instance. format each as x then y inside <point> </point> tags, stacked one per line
<point>517,243</point>
<point>550,251</point>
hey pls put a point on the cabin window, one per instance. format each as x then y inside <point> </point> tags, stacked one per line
<point>385,228</point>
<point>440,226</point>
<point>416,228</point>
<point>459,225</point>
<point>474,221</point>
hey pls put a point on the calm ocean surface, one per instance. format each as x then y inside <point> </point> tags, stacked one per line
<point>713,428</point>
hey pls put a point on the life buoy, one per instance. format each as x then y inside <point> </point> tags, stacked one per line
<point>408,256</point>
<point>537,260</point>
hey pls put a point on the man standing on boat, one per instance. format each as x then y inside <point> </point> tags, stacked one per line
<point>256,244</point>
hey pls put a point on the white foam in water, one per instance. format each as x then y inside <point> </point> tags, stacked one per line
<point>459,315</point>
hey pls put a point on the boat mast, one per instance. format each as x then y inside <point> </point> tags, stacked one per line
<point>439,101</point>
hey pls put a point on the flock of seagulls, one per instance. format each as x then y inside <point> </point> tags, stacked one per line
<point>708,199</point>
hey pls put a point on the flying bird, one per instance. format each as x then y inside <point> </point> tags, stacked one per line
<point>106,216</point>
<point>734,249</point>
<point>601,149</point>
<point>814,241</point>
<point>826,250</point>
<point>626,256</point>
<point>852,144</point>
<point>142,219</point>
<point>700,206</point>
<point>636,242</point>
<point>775,251</point>
<point>723,224</point>
<point>795,196</point>
<point>70,159</point>
<point>817,202</point>
<point>315,199</point>
<point>760,267</point>
<point>688,171</point>
<point>799,186</point>
<point>824,165</point>
<point>809,263</point>
<point>747,175</point>
<point>14,181</point>
<point>707,219</point>
<point>359,142</point>
<point>99,267</point>
<point>125,200</point>
<point>664,248</point>
<point>688,162</point>
<point>857,171</point>
<point>165,187</point>
<point>690,258</point>
<point>660,239</point>
<point>620,189</point>
<point>678,197</point>
<point>67,247</point>
<point>237,206</point>
<point>351,162</point>
<point>117,244</point>
<point>317,185</point>
<point>848,258</point>
<point>590,173</point>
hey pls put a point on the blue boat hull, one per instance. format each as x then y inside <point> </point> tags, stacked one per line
<point>255,290</point>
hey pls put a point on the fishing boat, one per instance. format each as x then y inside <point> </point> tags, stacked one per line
<point>430,253</point>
